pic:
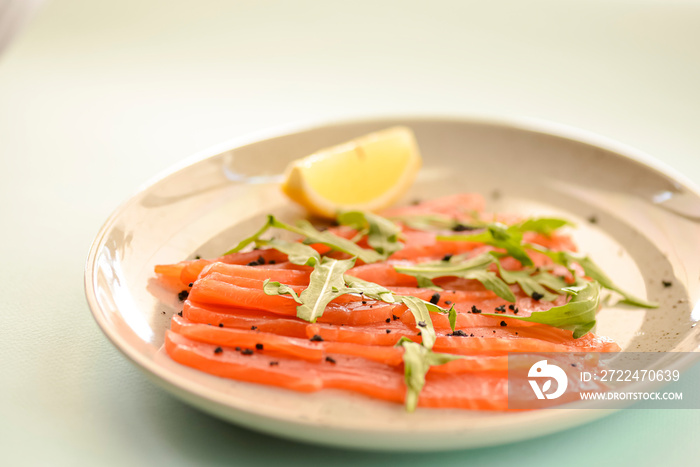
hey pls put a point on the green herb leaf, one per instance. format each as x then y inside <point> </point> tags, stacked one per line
<point>421,313</point>
<point>578,315</point>
<point>474,268</point>
<point>325,284</point>
<point>298,253</point>
<point>247,241</point>
<point>417,361</point>
<point>275,288</point>
<point>382,234</point>
<point>593,271</point>
<point>369,289</point>
<point>531,283</point>
<point>312,235</point>
<point>500,236</point>
<point>543,225</point>
<point>437,222</point>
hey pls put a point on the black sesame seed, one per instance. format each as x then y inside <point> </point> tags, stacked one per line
<point>516,311</point>
<point>435,298</point>
<point>218,350</point>
<point>537,296</point>
<point>503,323</point>
<point>183,295</point>
<point>247,352</point>
<point>316,338</point>
<point>330,360</point>
<point>511,307</point>
<point>179,314</point>
<point>253,328</point>
<point>364,302</point>
<point>462,228</point>
<point>475,309</point>
<point>447,257</point>
<point>190,284</point>
<point>221,325</point>
<point>388,320</point>
<point>422,324</point>
<point>259,346</point>
<point>667,283</point>
<point>471,335</point>
<point>388,331</point>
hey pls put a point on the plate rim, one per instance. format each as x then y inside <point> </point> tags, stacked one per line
<point>204,397</point>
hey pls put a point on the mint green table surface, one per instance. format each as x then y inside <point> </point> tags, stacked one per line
<point>96,97</point>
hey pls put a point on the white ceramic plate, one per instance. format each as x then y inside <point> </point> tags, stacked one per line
<point>647,230</point>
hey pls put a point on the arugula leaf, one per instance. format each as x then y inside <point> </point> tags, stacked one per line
<point>510,238</point>
<point>474,268</point>
<point>530,283</point>
<point>247,241</point>
<point>417,360</point>
<point>437,222</point>
<point>423,322</point>
<point>369,289</point>
<point>543,225</point>
<point>275,288</point>
<point>312,235</point>
<point>578,315</point>
<point>382,234</point>
<point>592,270</point>
<point>298,253</point>
<point>421,310</point>
<point>326,283</point>
<point>500,236</point>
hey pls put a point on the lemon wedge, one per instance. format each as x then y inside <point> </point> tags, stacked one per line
<point>368,173</point>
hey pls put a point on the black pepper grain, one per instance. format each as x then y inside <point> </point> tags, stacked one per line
<point>458,333</point>
<point>183,295</point>
<point>273,363</point>
<point>388,331</point>
<point>475,310</point>
<point>221,325</point>
<point>537,296</point>
<point>258,346</point>
<point>503,323</point>
<point>247,352</point>
<point>218,350</point>
<point>330,360</point>
<point>394,317</point>
<point>435,298</point>
<point>253,328</point>
<point>422,324</point>
<point>388,320</point>
<point>667,283</point>
<point>316,338</point>
<point>447,257</point>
